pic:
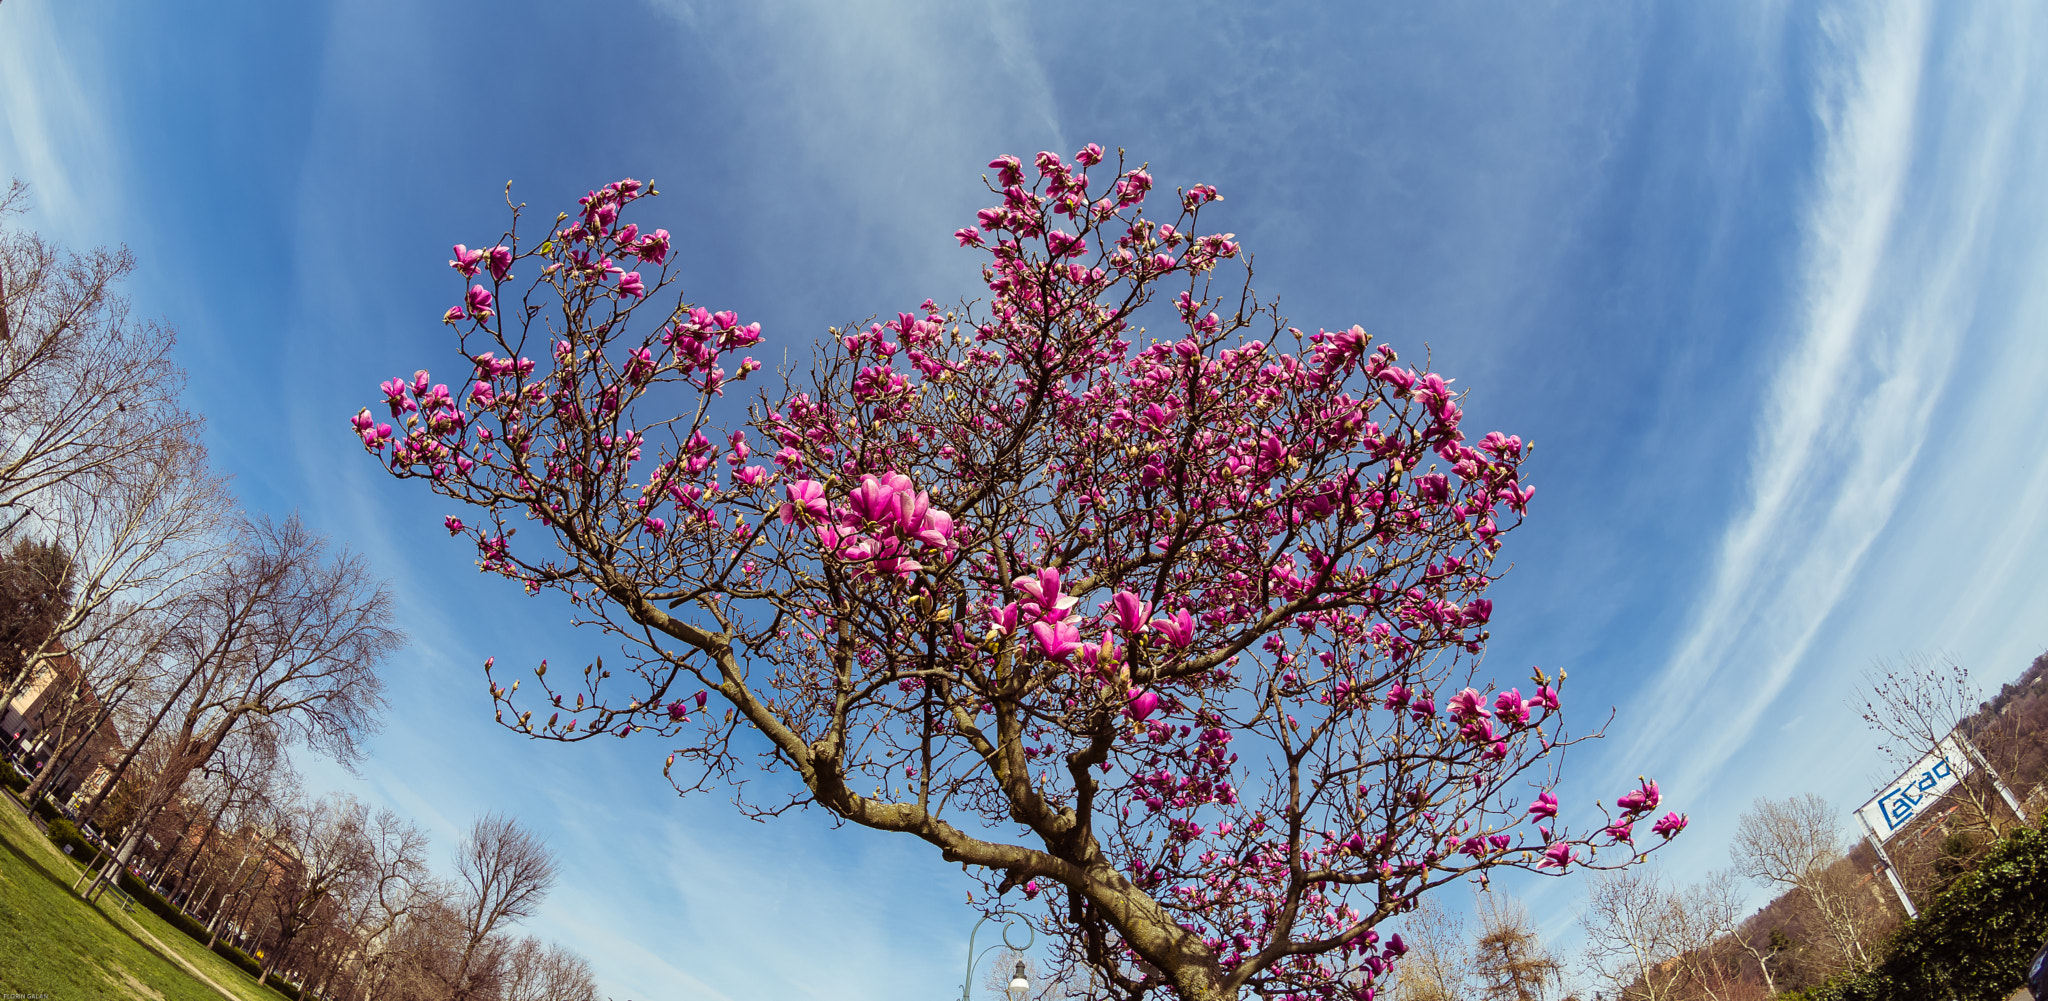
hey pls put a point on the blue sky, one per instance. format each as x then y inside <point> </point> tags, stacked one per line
<point>1766,283</point>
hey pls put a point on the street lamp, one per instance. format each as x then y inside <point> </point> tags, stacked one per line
<point>1019,984</point>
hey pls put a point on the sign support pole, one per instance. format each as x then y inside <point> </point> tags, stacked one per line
<point>1977,758</point>
<point>1890,870</point>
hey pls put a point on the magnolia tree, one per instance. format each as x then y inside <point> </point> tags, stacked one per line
<point>1175,633</point>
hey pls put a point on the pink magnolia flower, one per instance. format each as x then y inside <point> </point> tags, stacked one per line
<point>501,261</point>
<point>1468,704</point>
<point>655,525</point>
<point>1004,619</point>
<point>1043,588</point>
<point>1395,945</point>
<point>1477,730</point>
<point>1062,244</point>
<point>653,247</point>
<point>701,697</point>
<point>1546,696</point>
<point>1130,611</point>
<point>453,524</point>
<point>936,528</point>
<point>453,315</point>
<point>1621,830</point>
<point>1178,629</point>
<point>1008,170</point>
<point>875,499</point>
<point>1670,825</point>
<point>678,712</point>
<point>807,496</point>
<point>1142,703</point>
<point>1557,856</point>
<point>1424,708</point>
<point>1545,805</point>
<point>1056,639</point>
<point>1640,800</point>
<point>1397,697</point>
<point>631,285</point>
<point>479,302</point>
<point>467,261</point>
<point>909,510</point>
<point>1510,708</point>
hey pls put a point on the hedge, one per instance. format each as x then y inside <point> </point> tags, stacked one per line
<point>278,984</point>
<point>12,779</point>
<point>162,908</point>
<point>236,956</point>
<point>1972,944</point>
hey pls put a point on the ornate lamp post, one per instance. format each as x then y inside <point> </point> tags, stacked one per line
<point>1019,984</point>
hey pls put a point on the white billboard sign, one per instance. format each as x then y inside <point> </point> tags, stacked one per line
<point>1917,790</point>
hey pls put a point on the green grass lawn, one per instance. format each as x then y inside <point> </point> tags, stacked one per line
<point>54,944</point>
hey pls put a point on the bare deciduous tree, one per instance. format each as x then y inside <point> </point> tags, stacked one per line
<point>393,883</point>
<point>83,390</point>
<point>1650,940</point>
<point>505,871</point>
<point>331,845</point>
<point>1629,940</point>
<point>137,535</point>
<point>1435,968</point>
<point>284,632</point>
<point>1796,843</point>
<point>545,971</point>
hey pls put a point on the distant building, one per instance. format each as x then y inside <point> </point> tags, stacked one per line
<point>48,715</point>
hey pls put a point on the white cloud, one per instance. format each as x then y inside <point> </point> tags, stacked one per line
<point>1869,523</point>
<point>54,132</point>
<point>1821,483</point>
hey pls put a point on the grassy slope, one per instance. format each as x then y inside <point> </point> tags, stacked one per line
<point>53,943</point>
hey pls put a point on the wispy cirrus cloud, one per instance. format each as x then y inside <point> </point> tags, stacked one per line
<point>1907,175</point>
<point>53,129</point>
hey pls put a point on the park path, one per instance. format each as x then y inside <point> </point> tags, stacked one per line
<point>174,956</point>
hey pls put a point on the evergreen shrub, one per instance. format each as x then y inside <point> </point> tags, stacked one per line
<point>1972,944</point>
<point>64,835</point>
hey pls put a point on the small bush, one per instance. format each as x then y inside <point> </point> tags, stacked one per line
<point>12,779</point>
<point>66,836</point>
<point>47,810</point>
<point>278,984</point>
<point>239,958</point>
